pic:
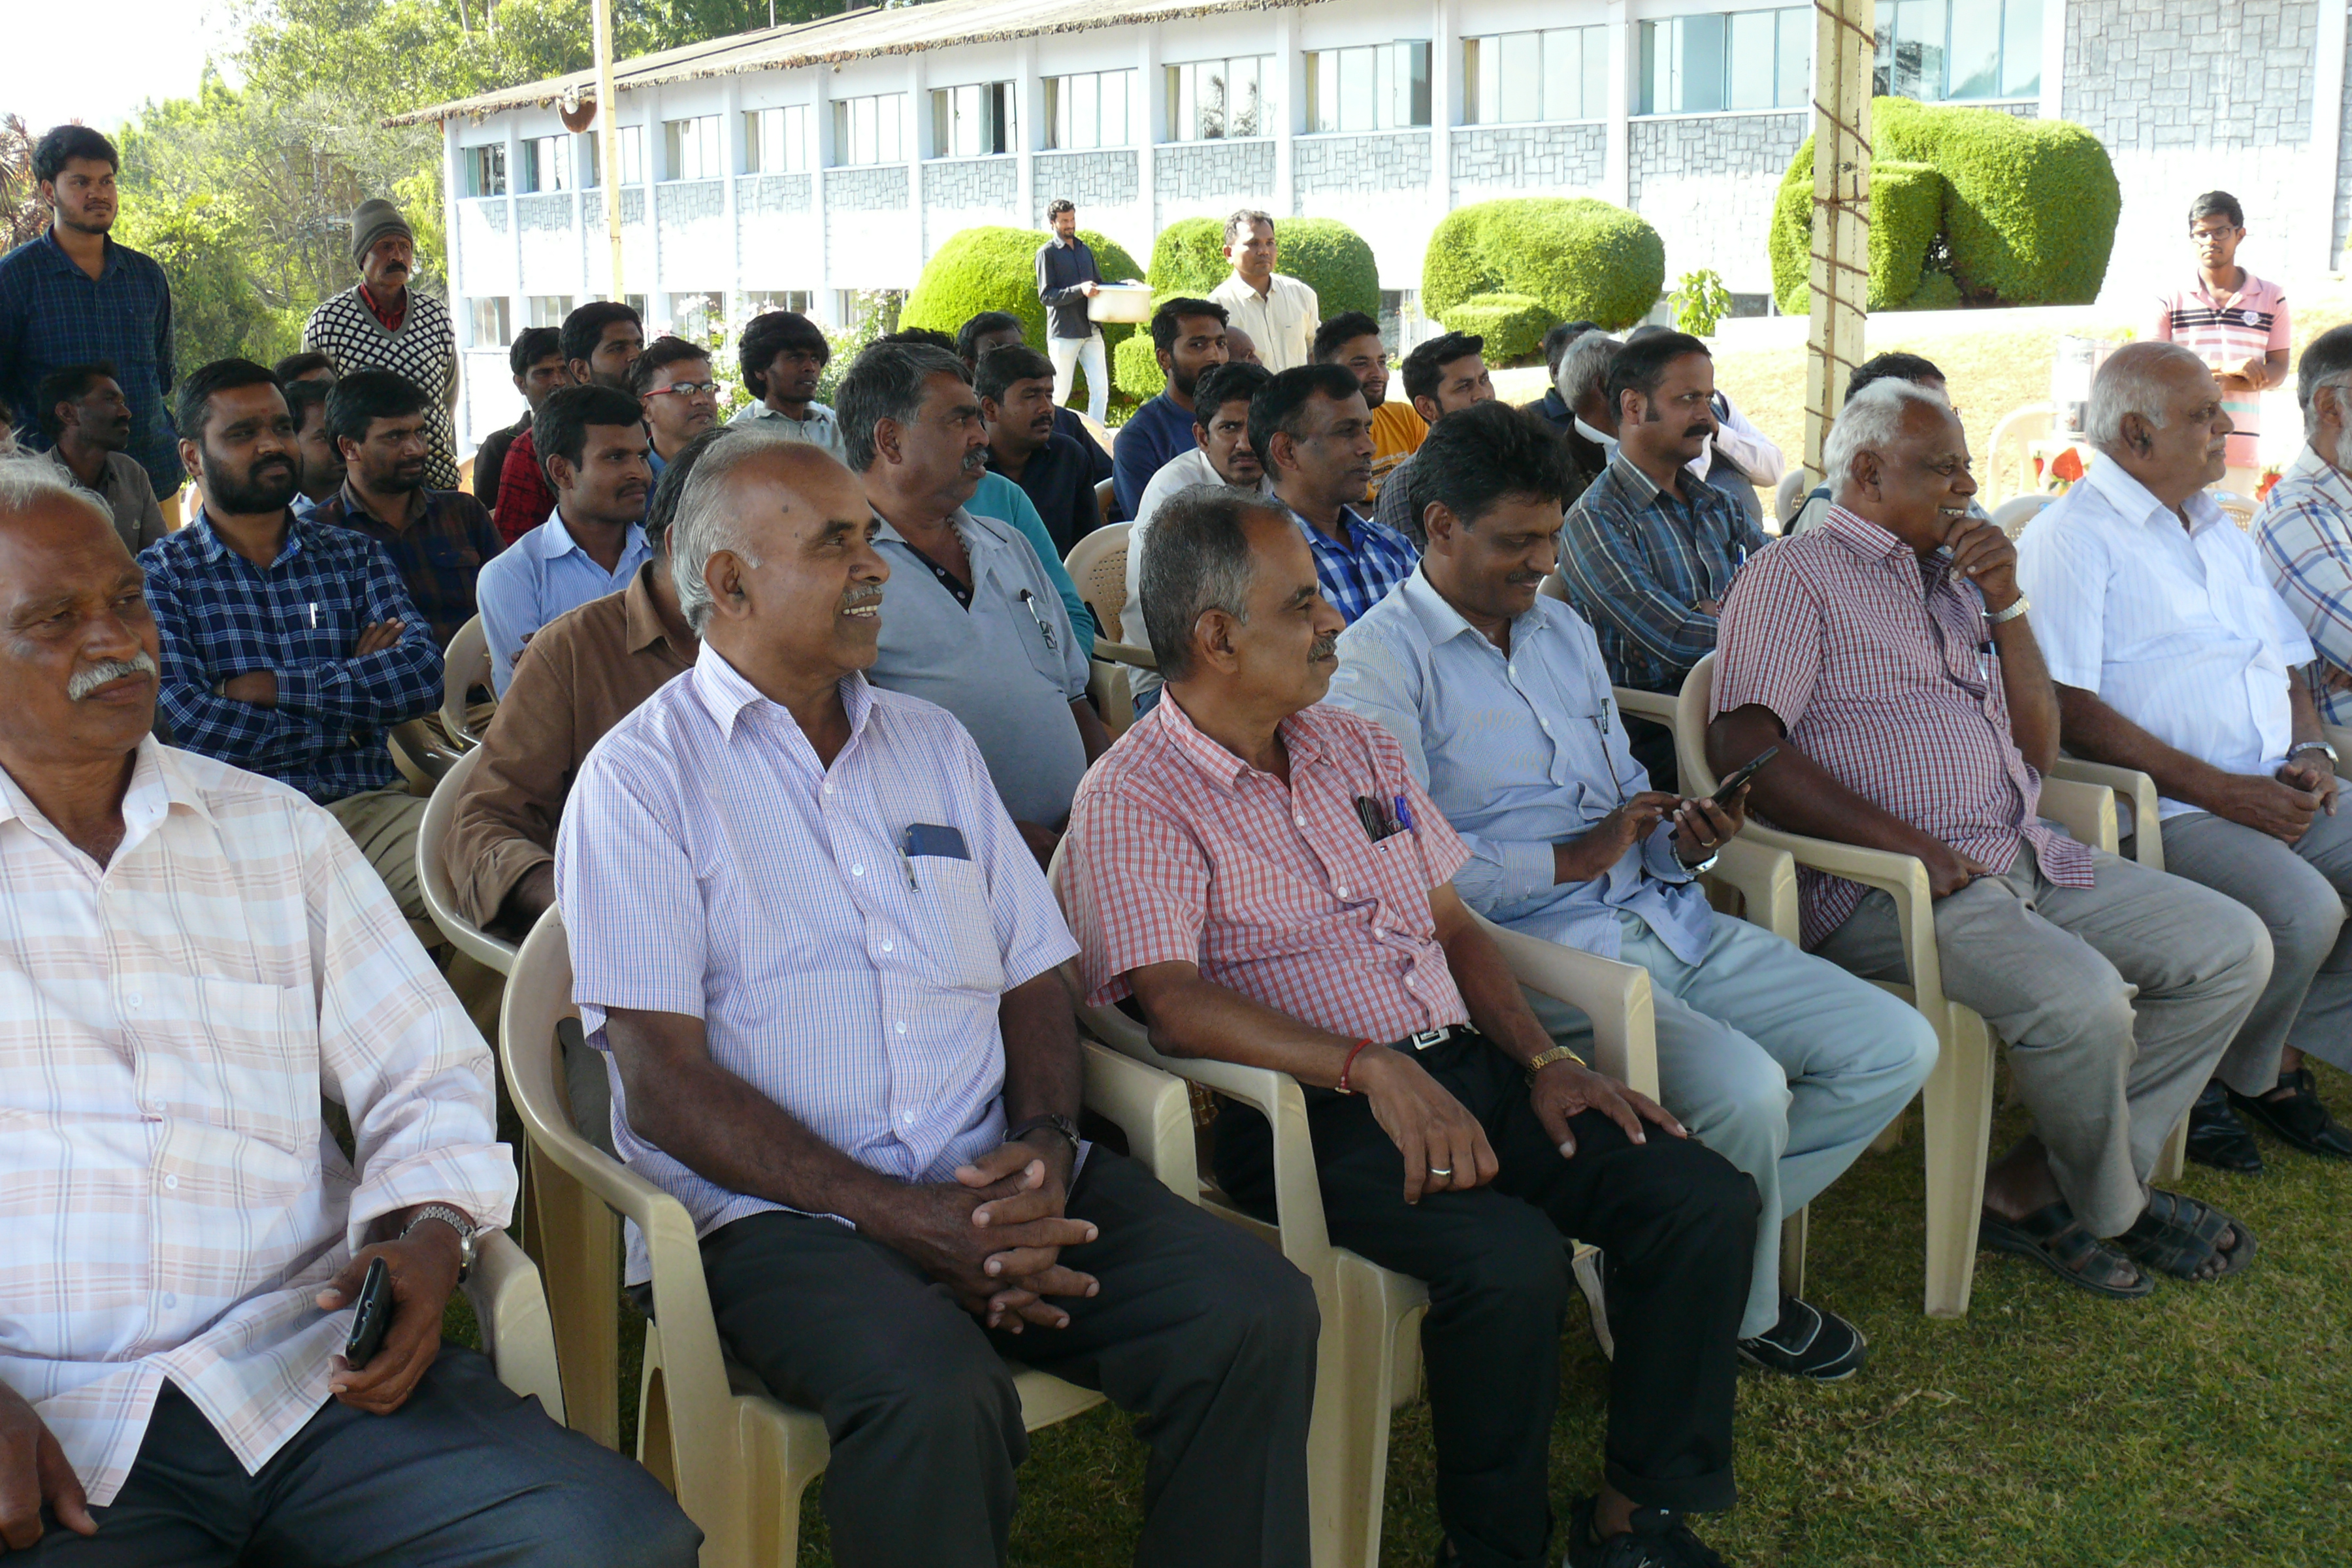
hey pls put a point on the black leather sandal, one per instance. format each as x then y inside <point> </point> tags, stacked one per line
<point>2297,1118</point>
<point>2180,1235</point>
<point>2056,1239</point>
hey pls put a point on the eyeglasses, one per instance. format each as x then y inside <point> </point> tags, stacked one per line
<point>685,388</point>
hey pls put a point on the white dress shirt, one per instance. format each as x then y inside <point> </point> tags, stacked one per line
<point>2177,629</point>
<point>1182,471</point>
<point>171,1200</point>
<point>1282,322</point>
<point>710,865</point>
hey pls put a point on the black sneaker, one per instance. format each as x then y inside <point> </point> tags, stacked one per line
<point>2216,1136</point>
<point>1658,1538</point>
<point>1808,1343</point>
<point>2298,1118</point>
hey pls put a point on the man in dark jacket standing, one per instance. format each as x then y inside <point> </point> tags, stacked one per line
<point>1067,279</point>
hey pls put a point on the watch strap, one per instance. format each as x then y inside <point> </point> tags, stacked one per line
<point>1051,1120</point>
<point>1543,1060</point>
<point>2017,607</point>
<point>466,1230</point>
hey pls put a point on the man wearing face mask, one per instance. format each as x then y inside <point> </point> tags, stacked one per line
<point>1650,550</point>
<point>289,646</point>
<point>381,324</point>
<point>87,422</point>
<point>970,619</point>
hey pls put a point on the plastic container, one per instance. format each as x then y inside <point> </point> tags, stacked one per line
<point>1120,302</point>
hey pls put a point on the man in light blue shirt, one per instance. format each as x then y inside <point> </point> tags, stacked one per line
<point>590,441</point>
<point>1781,1062</point>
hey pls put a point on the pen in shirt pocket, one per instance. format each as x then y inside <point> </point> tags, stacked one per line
<point>1029,603</point>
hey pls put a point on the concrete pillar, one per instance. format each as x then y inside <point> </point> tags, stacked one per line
<point>1617,156</point>
<point>2053,59</point>
<point>518,313</point>
<point>1444,101</point>
<point>820,133</point>
<point>1290,66</point>
<point>2315,250</point>
<point>1029,136</point>
<point>730,145</point>
<point>1147,122</point>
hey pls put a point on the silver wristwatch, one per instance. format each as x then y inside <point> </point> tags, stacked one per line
<point>454,1221</point>
<point>2315,746</point>
<point>2017,607</point>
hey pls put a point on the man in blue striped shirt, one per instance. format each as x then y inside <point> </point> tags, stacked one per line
<point>1313,430</point>
<point>74,296</point>
<point>1781,1062</point>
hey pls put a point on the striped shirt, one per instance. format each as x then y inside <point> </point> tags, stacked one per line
<point>424,348</point>
<point>2225,330</point>
<point>221,616</point>
<point>2178,629</point>
<point>1183,853</point>
<point>1880,668</point>
<point>53,314</point>
<point>170,1198</point>
<point>710,865</point>
<point>1636,565</point>
<point>2304,534</point>
<point>1359,575</point>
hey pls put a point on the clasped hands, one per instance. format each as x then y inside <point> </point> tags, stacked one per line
<point>995,1237</point>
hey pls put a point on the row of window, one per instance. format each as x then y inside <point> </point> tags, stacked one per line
<point>1931,49</point>
<point>695,315</point>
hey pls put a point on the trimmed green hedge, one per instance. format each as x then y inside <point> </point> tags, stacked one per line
<point>1907,203</point>
<point>1513,324</point>
<point>991,268</point>
<point>1581,259</point>
<point>1189,258</point>
<point>1135,369</point>
<point>2029,210</point>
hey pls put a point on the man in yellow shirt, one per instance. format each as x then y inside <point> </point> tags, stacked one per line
<point>1352,340</point>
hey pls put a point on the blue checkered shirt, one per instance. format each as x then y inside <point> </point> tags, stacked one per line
<point>53,314</point>
<point>1355,580</point>
<point>2306,534</point>
<point>220,615</point>
<point>1636,565</point>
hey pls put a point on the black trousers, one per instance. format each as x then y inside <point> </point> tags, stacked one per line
<point>1200,1329</point>
<point>465,1473</point>
<point>1677,1223</point>
<point>1653,746</point>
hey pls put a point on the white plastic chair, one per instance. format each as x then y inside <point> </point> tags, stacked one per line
<point>737,1459</point>
<point>433,873</point>
<point>2011,516</point>
<point>423,756</point>
<point>1097,564</point>
<point>511,1310</point>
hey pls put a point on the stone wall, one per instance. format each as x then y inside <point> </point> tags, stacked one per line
<point>691,218</point>
<point>873,238</point>
<point>966,183</point>
<point>1530,160</point>
<point>1706,183</point>
<point>1229,171</point>
<point>881,188</point>
<point>1104,179</point>
<point>1359,165</point>
<point>772,196</point>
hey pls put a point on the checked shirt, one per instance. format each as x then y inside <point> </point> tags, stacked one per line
<point>1636,565</point>
<point>1355,580</point>
<point>53,314</point>
<point>2305,535</point>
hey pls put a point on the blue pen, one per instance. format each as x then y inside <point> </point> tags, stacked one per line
<point>1404,814</point>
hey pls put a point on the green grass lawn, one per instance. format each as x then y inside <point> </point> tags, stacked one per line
<point>2050,1429</point>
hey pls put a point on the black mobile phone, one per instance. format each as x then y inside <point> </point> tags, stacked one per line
<point>372,1317</point>
<point>1742,774</point>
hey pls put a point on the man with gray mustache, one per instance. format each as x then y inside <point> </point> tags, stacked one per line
<point>971,619</point>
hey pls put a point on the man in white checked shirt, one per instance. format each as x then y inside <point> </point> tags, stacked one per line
<point>824,966</point>
<point>193,956</point>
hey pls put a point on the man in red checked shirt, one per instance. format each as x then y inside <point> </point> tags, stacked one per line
<point>601,341</point>
<point>1262,873</point>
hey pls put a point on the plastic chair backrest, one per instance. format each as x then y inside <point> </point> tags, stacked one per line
<point>1791,497</point>
<point>2011,515</point>
<point>432,875</point>
<point>1690,727</point>
<point>1554,586</point>
<point>1106,499</point>
<point>2237,508</point>
<point>1097,564</point>
<point>465,666</point>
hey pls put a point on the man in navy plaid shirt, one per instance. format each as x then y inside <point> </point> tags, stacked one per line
<point>289,646</point>
<point>1313,430</point>
<point>73,295</point>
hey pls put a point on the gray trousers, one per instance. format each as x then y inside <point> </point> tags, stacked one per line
<point>2297,891</point>
<point>465,1473</point>
<point>1784,1065</point>
<point>2115,1001</point>
<point>1200,1329</point>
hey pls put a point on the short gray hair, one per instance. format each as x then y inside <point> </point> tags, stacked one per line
<point>1585,366</point>
<point>29,478</point>
<point>708,521</point>
<point>1245,219</point>
<point>2326,363</point>
<point>1872,421</point>
<point>886,381</point>
<point>1196,558</point>
<point>2133,381</point>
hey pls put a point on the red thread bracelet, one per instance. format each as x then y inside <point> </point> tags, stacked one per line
<point>1347,1066</point>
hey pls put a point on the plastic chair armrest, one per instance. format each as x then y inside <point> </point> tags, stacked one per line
<point>1658,707</point>
<point>1901,877</point>
<point>510,1305</point>
<point>1152,1109</point>
<point>2133,797</point>
<point>1615,996</point>
<point>2084,809</point>
<point>1125,653</point>
<point>1766,879</point>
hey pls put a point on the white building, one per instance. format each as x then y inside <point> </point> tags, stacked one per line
<point>797,165</point>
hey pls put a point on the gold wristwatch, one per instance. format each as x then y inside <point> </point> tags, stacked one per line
<point>1543,1060</point>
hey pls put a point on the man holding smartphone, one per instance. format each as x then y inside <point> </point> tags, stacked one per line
<point>1777,1061</point>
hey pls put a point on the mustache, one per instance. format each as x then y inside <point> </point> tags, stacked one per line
<point>858,598</point>
<point>1325,647</point>
<point>84,681</point>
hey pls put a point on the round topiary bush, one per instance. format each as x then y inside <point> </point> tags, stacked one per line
<point>1189,258</point>
<point>1513,324</point>
<point>1582,259</point>
<point>1907,203</point>
<point>992,269</point>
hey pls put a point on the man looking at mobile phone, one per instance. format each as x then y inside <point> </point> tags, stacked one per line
<point>1780,1062</point>
<point>186,1242</point>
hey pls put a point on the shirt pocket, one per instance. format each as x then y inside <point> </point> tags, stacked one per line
<point>951,901</point>
<point>448,556</point>
<point>235,1055</point>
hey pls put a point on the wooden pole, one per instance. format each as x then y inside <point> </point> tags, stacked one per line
<point>1844,51</point>
<point>608,138</point>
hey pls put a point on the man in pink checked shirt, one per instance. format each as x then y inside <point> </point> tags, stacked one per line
<point>195,956</point>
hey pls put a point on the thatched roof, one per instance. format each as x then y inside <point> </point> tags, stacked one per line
<point>834,40</point>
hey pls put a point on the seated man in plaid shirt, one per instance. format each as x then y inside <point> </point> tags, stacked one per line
<point>289,646</point>
<point>1312,430</point>
<point>1886,652</point>
<point>1265,877</point>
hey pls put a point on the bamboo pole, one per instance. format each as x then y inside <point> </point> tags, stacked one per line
<point>608,138</point>
<point>1844,50</point>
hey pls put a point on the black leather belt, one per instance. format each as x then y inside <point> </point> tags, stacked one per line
<point>1429,1039</point>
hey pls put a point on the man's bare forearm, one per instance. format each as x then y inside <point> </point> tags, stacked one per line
<point>2098,733</point>
<point>1797,794</point>
<point>1195,1017</point>
<point>2034,719</point>
<point>1043,1073</point>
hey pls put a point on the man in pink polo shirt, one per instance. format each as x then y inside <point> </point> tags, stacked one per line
<point>2236,323</point>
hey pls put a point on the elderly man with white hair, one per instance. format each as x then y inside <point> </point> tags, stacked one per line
<point>2172,653</point>
<point>1886,651</point>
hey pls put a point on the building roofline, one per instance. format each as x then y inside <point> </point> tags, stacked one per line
<point>871,32</point>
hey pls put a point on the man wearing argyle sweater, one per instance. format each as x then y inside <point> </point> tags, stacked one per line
<point>381,324</point>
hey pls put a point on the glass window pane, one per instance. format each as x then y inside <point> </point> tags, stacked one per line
<point>1796,59</point>
<point>1416,96</point>
<point>1356,109</point>
<point>1974,65</point>
<point>1698,62</point>
<point>1563,72</point>
<point>1086,110</point>
<point>1752,35</point>
<point>1115,128</point>
<point>892,107</point>
<point>1596,72</point>
<point>2020,48</point>
<point>1386,110</point>
<point>1650,71</point>
<point>1248,112</point>
<point>1521,95</point>
<point>1919,49</point>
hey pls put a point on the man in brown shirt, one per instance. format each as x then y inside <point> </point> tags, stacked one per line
<point>577,677</point>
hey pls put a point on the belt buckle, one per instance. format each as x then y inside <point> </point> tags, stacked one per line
<point>1429,1037</point>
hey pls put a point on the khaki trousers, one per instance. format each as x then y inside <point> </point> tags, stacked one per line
<point>383,823</point>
